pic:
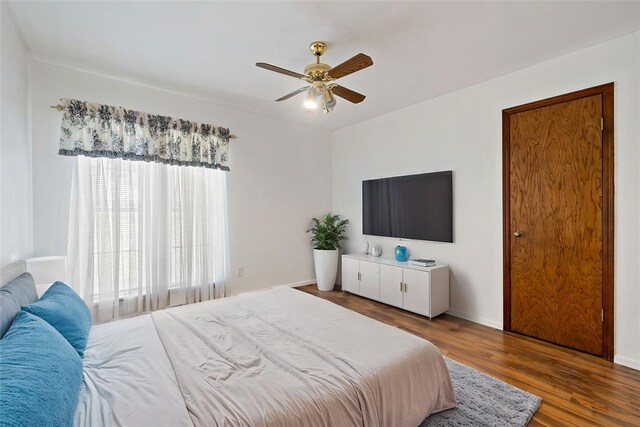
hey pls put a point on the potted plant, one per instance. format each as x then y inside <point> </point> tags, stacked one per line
<point>326,235</point>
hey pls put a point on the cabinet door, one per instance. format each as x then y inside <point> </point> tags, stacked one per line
<point>350,272</point>
<point>416,291</point>
<point>390,282</point>
<point>370,280</point>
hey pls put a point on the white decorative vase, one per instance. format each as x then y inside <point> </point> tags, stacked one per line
<point>376,251</point>
<point>326,264</point>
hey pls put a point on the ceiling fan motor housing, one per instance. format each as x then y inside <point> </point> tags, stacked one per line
<point>317,71</point>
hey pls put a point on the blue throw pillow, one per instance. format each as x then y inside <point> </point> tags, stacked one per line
<point>40,375</point>
<point>63,309</point>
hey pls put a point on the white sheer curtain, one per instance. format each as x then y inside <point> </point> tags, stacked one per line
<point>145,236</point>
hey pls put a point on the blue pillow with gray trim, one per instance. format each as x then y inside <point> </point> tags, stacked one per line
<point>40,375</point>
<point>63,309</point>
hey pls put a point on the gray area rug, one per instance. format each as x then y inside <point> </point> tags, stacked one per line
<point>484,401</point>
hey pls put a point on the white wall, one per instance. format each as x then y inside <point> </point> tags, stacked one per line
<point>279,179</point>
<point>16,192</point>
<point>462,131</point>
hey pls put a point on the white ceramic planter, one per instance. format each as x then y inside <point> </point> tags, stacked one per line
<point>326,264</point>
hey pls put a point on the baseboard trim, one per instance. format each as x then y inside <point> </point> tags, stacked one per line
<point>476,319</point>
<point>290,285</point>
<point>627,361</point>
<point>301,283</point>
<point>337,286</point>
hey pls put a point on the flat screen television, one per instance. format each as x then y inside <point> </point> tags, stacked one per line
<point>418,207</point>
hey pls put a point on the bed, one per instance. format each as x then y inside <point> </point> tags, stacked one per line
<point>278,357</point>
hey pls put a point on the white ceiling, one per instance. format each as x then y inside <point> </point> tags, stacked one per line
<point>420,49</point>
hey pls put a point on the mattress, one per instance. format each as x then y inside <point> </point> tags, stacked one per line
<point>276,357</point>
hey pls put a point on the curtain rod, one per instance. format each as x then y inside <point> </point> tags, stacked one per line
<point>60,108</point>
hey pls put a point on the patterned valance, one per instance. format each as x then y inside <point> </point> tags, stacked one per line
<point>97,130</point>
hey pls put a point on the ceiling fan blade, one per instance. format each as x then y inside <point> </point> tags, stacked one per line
<point>352,65</point>
<point>280,70</point>
<point>348,94</point>
<point>294,93</point>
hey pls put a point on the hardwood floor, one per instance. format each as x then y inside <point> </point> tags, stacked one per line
<point>577,389</point>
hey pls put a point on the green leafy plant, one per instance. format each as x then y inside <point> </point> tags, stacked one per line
<point>327,233</point>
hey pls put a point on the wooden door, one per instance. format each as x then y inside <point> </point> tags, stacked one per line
<point>391,285</point>
<point>416,296</point>
<point>351,275</point>
<point>370,280</point>
<point>557,178</point>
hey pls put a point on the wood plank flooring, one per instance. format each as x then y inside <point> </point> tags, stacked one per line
<point>577,389</point>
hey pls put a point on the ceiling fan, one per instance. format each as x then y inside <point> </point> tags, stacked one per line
<point>320,78</point>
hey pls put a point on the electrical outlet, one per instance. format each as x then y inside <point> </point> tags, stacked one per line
<point>239,271</point>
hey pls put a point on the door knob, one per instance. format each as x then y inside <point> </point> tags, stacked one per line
<point>517,233</point>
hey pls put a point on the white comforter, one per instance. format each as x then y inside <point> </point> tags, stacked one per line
<point>278,357</point>
<point>128,379</point>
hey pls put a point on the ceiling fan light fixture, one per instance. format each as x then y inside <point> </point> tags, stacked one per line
<point>311,101</point>
<point>328,100</point>
<point>310,104</point>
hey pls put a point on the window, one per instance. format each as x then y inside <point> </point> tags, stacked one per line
<point>155,234</point>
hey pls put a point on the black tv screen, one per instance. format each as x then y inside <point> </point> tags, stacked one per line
<point>416,207</point>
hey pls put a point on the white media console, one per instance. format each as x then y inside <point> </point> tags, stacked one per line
<point>422,290</point>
